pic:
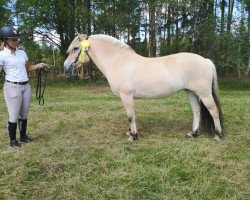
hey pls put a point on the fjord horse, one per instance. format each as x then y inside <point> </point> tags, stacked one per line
<point>133,76</point>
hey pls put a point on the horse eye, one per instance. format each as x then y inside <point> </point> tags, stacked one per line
<point>76,48</point>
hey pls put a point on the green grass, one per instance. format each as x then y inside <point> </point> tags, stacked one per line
<point>80,148</point>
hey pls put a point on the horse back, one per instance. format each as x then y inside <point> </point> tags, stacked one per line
<point>161,76</point>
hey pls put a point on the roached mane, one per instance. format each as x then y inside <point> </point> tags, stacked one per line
<point>100,37</point>
<point>112,41</point>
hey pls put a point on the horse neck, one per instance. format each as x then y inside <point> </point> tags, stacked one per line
<point>105,56</point>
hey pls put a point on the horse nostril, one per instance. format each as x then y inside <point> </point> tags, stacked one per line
<point>67,65</point>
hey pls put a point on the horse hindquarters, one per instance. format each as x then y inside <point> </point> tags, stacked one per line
<point>207,92</point>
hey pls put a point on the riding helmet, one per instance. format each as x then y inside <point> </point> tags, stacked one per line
<point>9,32</point>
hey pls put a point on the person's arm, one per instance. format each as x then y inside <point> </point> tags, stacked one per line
<point>31,68</point>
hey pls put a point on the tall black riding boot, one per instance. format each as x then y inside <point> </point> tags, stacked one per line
<point>12,133</point>
<point>22,125</point>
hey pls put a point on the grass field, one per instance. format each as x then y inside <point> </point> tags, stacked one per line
<point>80,148</point>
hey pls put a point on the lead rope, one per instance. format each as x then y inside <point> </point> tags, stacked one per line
<point>39,88</point>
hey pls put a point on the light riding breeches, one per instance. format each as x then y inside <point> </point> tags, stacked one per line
<point>18,99</point>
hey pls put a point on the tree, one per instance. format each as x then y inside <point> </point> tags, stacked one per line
<point>248,42</point>
<point>5,10</point>
<point>151,27</point>
<point>51,20</point>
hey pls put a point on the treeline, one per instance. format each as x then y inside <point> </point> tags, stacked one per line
<point>216,29</point>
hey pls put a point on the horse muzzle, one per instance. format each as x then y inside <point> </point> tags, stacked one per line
<point>68,66</point>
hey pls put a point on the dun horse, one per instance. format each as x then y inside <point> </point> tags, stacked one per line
<point>133,76</point>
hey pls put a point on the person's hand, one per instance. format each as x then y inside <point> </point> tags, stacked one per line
<point>42,65</point>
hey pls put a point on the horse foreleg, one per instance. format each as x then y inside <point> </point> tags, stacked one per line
<point>195,104</point>
<point>128,102</point>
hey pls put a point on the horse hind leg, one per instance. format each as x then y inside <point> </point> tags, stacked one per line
<point>128,102</point>
<point>213,110</point>
<point>195,104</point>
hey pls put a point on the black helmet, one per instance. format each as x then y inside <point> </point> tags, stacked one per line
<point>9,32</point>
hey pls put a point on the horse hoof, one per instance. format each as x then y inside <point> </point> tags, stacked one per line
<point>190,134</point>
<point>193,134</point>
<point>131,139</point>
<point>132,136</point>
<point>217,138</point>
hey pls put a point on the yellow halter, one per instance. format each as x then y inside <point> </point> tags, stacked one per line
<point>85,45</point>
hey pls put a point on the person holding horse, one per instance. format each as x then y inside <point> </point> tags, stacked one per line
<point>17,91</point>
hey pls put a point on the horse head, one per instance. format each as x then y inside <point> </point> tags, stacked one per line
<point>77,53</point>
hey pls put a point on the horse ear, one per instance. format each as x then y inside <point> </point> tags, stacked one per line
<point>77,34</point>
<point>81,36</point>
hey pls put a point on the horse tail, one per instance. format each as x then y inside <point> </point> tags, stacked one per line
<point>206,118</point>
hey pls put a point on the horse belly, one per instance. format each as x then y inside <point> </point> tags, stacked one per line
<point>158,89</point>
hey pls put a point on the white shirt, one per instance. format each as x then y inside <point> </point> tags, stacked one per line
<point>14,65</point>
